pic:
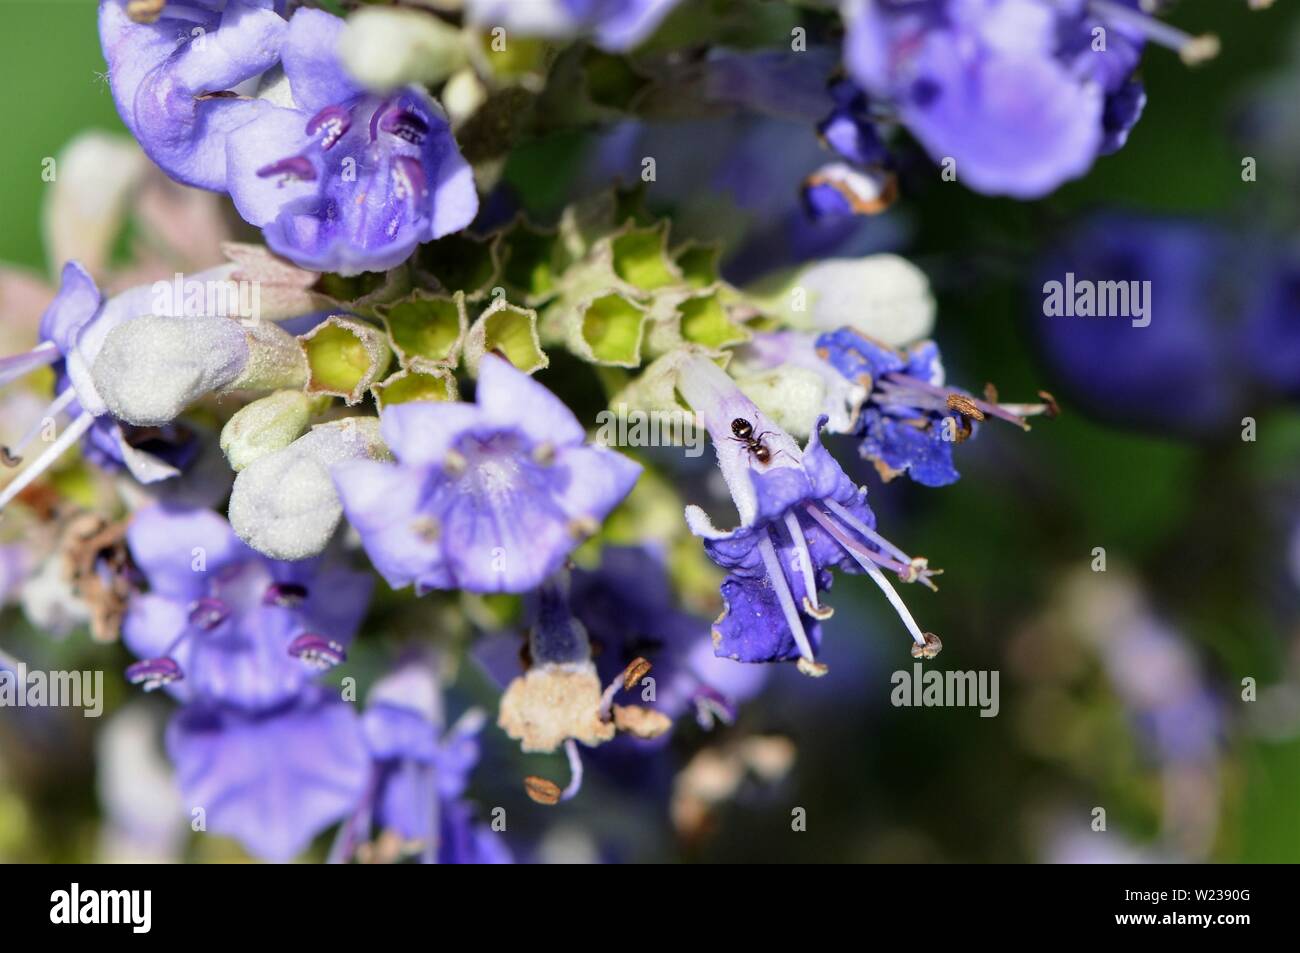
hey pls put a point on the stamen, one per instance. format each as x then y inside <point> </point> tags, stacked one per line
<point>20,365</point>
<point>863,559</point>
<point>776,576</point>
<point>293,168</point>
<point>909,570</point>
<point>1192,50</point>
<point>902,382</point>
<point>548,792</point>
<point>334,121</point>
<point>71,434</point>
<point>317,651</point>
<point>810,602</point>
<point>10,455</point>
<point>152,674</point>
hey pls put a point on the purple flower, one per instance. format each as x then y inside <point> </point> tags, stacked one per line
<point>267,753</point>
<point>180,83</point>
<point>229,618</point>
<point>420,770</point>
<point>1022,94</point>
<point>340,179</point>
<point>490,496</point>
<point>910,421</point>
<point>800,517</point>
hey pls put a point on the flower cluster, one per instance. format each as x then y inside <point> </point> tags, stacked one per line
<point>414,396</point>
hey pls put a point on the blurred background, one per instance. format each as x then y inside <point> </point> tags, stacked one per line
<point>1164,689</point>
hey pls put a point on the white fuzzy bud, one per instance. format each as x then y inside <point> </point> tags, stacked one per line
<point>152,368</point>
<point>284,504</point>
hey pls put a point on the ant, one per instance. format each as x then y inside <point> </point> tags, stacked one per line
<point>743,433</point>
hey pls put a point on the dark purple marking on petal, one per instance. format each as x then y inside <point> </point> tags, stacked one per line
<point>317,651</point>
<point>294,167</point>
<point>334,121</point>
<point>208,613</point>
<point>154,673</point>
<point>286,594</point>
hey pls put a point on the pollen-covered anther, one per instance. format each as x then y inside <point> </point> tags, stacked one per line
<point>317,651</point>
<point>333,121</point>
<point>294,168</point>
<point>9,459</point>
<point>154,673</point>
<point>964,406</point>
<point>932,647</point>
<point>812,668</point>
<point>409,179</point>
<point>636,670</point>
<point>641,722</point>
<point>820,612</point>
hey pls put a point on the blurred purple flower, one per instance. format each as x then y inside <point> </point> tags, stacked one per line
<point>420,770</point>
<point>1176,373</point>
<point>268,754</point>
<point>1023,94</point>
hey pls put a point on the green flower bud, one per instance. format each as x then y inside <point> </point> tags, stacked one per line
<point>265,426</point>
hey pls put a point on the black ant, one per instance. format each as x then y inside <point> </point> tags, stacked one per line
<point>743,433</point>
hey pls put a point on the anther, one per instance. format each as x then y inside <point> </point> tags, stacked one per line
<point>964,406</point>
<point>929,649</point>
